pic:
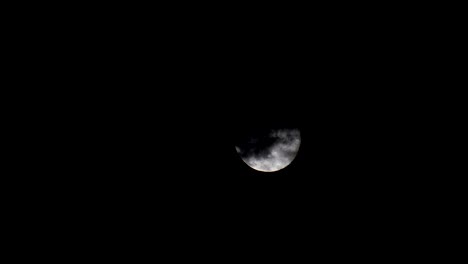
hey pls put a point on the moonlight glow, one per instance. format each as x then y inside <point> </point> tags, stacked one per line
<point>277,155</point>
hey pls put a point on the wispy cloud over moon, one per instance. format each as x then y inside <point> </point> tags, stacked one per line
<point>280,154</point>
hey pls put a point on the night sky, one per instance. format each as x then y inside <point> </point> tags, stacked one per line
<point>168,122</point>
<point>178,129</point>
<point>184,146</point>
<point>152,103</point>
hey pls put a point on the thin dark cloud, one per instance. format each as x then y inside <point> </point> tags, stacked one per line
<point>279,154</point>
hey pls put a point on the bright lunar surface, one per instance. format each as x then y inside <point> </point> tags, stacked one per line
<point>269,150</point>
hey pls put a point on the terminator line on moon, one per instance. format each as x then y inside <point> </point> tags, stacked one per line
<point>269,150</point>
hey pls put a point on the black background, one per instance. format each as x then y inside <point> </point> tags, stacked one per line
<point>169,133</point>
<point>133,145</point>
<point>160,102</point>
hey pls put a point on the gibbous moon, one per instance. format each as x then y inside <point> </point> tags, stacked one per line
<point>269,150</point>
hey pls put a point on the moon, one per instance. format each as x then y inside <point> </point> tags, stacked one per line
<point>269,150</point>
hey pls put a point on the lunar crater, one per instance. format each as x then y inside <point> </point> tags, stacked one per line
<point>270,150</point>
